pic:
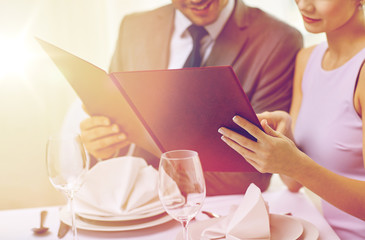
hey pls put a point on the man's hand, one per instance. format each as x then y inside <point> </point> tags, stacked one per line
<point>101,138</point>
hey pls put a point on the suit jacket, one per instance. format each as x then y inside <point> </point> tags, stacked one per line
<point>260,48</point>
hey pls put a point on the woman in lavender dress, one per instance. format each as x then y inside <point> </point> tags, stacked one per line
<point>320,145</point>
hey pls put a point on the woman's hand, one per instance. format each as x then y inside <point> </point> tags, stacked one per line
<point>101,138</point>
<point>280,121</point>
<point>272,153</point>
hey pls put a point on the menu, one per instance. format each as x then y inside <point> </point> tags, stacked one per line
<point>163,110</point>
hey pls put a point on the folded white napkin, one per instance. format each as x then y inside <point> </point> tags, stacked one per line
<point>119,186</point>
<point>249,221</point>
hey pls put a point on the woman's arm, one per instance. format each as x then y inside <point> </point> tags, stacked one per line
<point>275,153</point>
<point>300,64</point>
<point>359,104</point>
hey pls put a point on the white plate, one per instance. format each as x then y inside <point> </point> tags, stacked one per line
<point>282,227</point>
<point>114,226</point>
<point>129,217</point>
<point>310,231</point>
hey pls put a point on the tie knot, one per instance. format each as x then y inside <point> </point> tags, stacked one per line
<point>197,32</point>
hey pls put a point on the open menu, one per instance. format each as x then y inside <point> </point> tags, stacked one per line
<point>163,110</point>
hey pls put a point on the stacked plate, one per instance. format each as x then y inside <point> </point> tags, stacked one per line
<point>117,195</point>
<point>116,223</point>
<point>282,227</point>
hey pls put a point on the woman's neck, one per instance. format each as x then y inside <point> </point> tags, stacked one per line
<point>346,41</point>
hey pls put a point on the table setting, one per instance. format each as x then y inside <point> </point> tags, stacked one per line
<point>251,220</point>
<point>125,198</point>
<point>118,195</point>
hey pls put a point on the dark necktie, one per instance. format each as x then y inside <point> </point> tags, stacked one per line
<point>197,33</point>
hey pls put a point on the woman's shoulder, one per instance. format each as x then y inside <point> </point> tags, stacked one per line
<point>304,54</point>
<point>302,59</point>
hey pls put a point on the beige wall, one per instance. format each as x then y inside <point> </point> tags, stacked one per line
<point>34,96</point>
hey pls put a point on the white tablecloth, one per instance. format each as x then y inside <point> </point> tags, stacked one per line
<point>17,224</point>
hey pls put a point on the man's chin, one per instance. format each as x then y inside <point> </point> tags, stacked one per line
<point>202,20</point>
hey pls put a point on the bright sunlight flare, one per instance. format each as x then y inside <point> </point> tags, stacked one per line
<point>14,56</point>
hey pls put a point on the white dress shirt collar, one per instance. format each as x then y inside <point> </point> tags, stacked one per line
<point>182,23</point>
<point>181,42</point>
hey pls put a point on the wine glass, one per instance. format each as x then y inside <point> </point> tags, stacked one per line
<point>181,186</point>
<point>67,165</point>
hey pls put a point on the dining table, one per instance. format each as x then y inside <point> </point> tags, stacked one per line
<point>17,223</point>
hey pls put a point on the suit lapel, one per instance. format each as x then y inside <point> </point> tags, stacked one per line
<point>232,38</point>
<point>159,42</point>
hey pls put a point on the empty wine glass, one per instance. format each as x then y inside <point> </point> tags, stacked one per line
<point>181,186</point>
<point>67,165</point>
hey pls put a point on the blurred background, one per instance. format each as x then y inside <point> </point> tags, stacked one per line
<point>34,96</point>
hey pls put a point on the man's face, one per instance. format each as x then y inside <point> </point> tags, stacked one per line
<point>200,12</point>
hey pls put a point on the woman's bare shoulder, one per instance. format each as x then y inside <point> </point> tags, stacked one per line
<point>304,54</point>
<point>301,61</point>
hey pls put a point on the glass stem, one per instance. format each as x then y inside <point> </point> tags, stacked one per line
<point>185,230</point>
<point>73,217</point>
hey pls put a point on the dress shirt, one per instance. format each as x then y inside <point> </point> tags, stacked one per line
<point>182,43</point>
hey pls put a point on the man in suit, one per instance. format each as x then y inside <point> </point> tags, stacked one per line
<point>260,48</point>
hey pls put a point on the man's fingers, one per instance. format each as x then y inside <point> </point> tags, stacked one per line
<point>110,151</point>
<point>106,142</point>
<point>99,132</point>
<point>93,122</point>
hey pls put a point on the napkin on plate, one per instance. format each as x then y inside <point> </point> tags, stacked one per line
<point>119,186</point>
<point>249,221</point>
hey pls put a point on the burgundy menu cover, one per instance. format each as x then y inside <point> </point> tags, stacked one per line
<point>165,110</point>
<point>184,108</point>
<point>99,94</point>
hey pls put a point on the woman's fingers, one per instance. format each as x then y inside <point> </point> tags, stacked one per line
<point>241,140</point>
<point>244,152</point>
<point>271,151</point>
<point>263,115</point>
<point>257,153</point>
<point>268,130</point>
<point>249,127</point>
<point>237,138</point>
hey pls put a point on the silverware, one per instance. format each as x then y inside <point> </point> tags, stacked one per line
<point>62,230</point>
<point>211,214</point>
<point>41,229</point>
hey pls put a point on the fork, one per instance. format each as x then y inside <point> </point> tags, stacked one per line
<point>211,214</point>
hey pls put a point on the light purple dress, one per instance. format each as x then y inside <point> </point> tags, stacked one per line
<point>329,130</point>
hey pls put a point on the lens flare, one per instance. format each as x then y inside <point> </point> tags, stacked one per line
<point>14,56</point>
